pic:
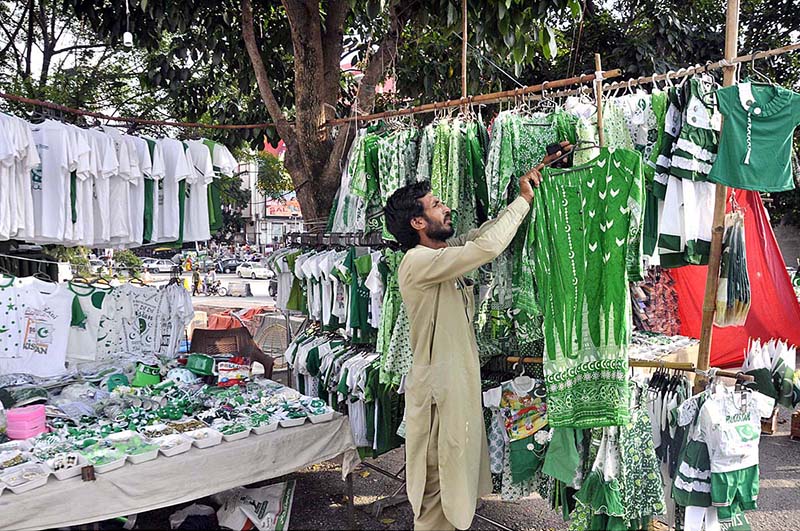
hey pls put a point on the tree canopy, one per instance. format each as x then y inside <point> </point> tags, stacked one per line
<point>238,61</point>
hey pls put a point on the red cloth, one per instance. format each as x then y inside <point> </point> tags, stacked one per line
<point>775,311</point>
<point>224,320</point>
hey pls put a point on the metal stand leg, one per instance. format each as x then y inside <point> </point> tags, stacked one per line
<point>351,503</point>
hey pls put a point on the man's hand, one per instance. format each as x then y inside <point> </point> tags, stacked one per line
<point>527,182</point>
<point>533,178</point>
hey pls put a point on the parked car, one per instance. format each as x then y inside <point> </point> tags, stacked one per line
<point>161,266</point>
<point>253,270</point>
<point>228,265</point>
<point>146,261</point>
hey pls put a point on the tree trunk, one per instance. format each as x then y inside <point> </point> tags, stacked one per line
<point>313,159</point>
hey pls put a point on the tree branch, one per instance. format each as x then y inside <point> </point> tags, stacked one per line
<point>77,47</point>
<point>373,74</point>
<point>12,36</point>
<point>332,45</point>
<point>295,161</point>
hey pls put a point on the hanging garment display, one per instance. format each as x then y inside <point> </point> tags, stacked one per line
<point>97,187</point>
<point>46,325</point>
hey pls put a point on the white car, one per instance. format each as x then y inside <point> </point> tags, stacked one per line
<point>254,270</point>
<point>160,266</point>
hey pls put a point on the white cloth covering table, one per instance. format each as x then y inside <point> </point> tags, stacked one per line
<point>168,481</point>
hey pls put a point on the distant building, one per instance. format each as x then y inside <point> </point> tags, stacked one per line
<point>267,220</point>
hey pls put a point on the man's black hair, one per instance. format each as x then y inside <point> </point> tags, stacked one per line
<point>404,205</point>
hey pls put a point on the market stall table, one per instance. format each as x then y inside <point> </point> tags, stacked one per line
<point>169,481</point>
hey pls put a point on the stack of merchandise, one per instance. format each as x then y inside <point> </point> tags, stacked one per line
<point>733,292</point>
<point>89,425</point>
<point>99,187</point>
<point>655,303</point>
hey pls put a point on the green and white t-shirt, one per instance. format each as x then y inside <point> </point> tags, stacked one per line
<point>756,146</point>
<point>92,313</point>
<point>730,424</point>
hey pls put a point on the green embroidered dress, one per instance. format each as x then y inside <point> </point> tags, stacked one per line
<point>584,224</point>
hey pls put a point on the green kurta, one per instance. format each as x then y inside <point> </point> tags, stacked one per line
<point>586,223</point>
<point>445,374</point>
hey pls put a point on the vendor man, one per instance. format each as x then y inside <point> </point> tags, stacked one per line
<point>447,460</point>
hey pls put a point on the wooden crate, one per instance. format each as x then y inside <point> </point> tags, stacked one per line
<point>796,426</point>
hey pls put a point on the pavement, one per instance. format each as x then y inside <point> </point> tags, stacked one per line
<point>319,496</point>
<point>259,288</point>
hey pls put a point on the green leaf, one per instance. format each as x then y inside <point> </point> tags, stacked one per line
<point>508,4</point>
<point>549,46</point>
<point>509,39</point>
<point>143,5</point>
<point>501,11</point>
<point>575,8</point>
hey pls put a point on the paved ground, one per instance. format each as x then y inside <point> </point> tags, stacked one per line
<point>319,504</point>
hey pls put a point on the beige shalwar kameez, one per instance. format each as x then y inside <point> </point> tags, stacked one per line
<point>447,461</point>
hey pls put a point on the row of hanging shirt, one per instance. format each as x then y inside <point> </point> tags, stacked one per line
<point>63,184</point>
<point>44,325</point>
<point>346,376</point>
<point>352,289</point>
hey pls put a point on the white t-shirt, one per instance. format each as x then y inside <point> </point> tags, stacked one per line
<point>224,162</point>
<point>175,312</point>
<point>107,165</point>
<point>98,308</point>
<point>116,326</point>
<point>130,194</point>
<point>196,219</point>
<point>119,189</point>
<point>374,284</point>
<point>50,182</point>
<point>44,327</point>
<point>85,167</point>
<point>176,169</point>
<point>17,170</point>
<point>8,158</point>
<point>145,165</point>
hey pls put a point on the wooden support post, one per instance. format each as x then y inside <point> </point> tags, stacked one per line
<point>598,91</point>
<point>718,227</point>
<point>464,49</point>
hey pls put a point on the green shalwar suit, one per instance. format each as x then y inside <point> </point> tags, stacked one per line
<point>447,458</point>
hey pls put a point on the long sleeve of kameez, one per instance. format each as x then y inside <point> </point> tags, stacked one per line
<point>636,204</point>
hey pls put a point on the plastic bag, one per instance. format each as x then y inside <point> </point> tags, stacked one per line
<point>268,508</point>
<point>733,292</point>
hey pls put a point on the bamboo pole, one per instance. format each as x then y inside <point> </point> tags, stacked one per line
<point>491,97</point>
<point>721,196</point>
<point>464,49</point>
<point>598,88</point>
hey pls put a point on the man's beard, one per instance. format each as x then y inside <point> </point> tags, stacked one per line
<point>438,231</point>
